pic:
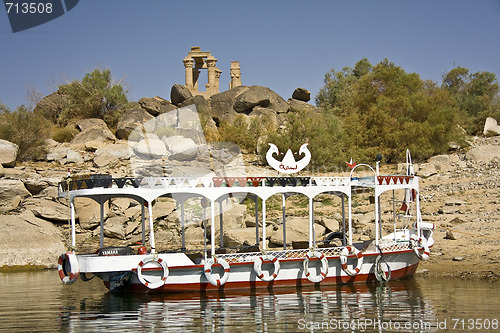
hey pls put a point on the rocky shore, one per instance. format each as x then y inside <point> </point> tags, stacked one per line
<point>461,192</point>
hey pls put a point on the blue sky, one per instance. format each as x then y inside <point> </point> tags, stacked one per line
<point>280,44</point>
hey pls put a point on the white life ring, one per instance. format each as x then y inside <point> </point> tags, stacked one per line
<point>68,267</point>
<point>165,272</point>
<point>347,251</point>
<point>417,242</point>
<point>208,271</point>
<point>257,267</point>
<point>324,266</point>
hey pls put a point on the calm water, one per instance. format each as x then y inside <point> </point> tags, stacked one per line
<point>38,302</point>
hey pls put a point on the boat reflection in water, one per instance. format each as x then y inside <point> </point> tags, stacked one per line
<point>396,306</point>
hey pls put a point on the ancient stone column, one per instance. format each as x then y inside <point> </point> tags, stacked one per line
<point>188,64</point>
<point>218,72</point>
<point>211,76</point>
<point>235,75</point>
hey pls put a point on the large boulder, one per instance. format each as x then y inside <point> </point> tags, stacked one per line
<point>298,106</point>
<point>49,210</point>
<point>181,148</point>
<point>110,154</point>
<point>301,94</point>
<point>239,237</point>
<point>150,147</point>
<point>233,215</point>
<point>491,127</point>
<point>52,106</point>
<point>114,227</point>
<point>156,105</point>
<point>11,188</point>
<point>267,115</point>
<point>73,157</point>
<point>8,153</point>
<point>93,135</point>
<point>221,105</point>
<point>132,117</point>
<point>199,101</point>
<point>179,94</point>
<point>259,96</point>
<point>36,185</point>
<point>58,153</point>
<point>85,124</point>
<point>88,212</point>
<point>297,229</point>
<point>483,154</point>
<point>28,240</point>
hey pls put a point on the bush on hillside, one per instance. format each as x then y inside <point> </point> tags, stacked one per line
<point>95,96</point>
<point>386,110</point>
<point>26,129</point>
<point>323,133</point>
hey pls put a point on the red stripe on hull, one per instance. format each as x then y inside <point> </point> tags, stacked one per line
<point>254,285</point>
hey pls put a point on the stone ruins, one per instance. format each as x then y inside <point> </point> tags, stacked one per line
<point>197,60</point>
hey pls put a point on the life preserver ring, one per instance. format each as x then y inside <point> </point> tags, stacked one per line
<point>68,267</point>
<point>257,267</point>
<point>208,271</point>
<point>417,242</point>
<point>347,251</point>
<point>324,266</point>
<point>165,271</point>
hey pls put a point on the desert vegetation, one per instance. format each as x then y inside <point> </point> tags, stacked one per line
<point>361,111</point>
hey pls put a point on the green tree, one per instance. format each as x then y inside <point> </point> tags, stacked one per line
<point>95,96</point>
<point>476,95</point>
<point>385,110</point>
<point>323,133</point>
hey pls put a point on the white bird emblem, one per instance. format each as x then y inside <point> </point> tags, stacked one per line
<point>288,164</point>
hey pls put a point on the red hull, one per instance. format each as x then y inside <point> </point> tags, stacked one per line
<point>261,285</point>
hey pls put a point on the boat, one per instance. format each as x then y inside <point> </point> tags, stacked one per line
<point>338,259</point>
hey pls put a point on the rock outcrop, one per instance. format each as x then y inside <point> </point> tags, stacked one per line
<point>28,240</point>
<point>132,117</point>
<point>8,153</point>
<point>156,105</point>
<point>491,127</point>
<point>179,94</point>
<point>301,94</point>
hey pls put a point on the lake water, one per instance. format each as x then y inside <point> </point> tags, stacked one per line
<point>38,302</point>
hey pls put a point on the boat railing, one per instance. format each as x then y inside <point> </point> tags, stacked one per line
<point>279,254</point>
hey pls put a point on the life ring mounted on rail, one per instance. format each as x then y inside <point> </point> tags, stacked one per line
<point>208,271</point>
<point>417,242</point>
<point>324,266</point>
<point>68,267</point>
<point>347,251</point>
<point>257,267</point>
<point>164,267</point>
